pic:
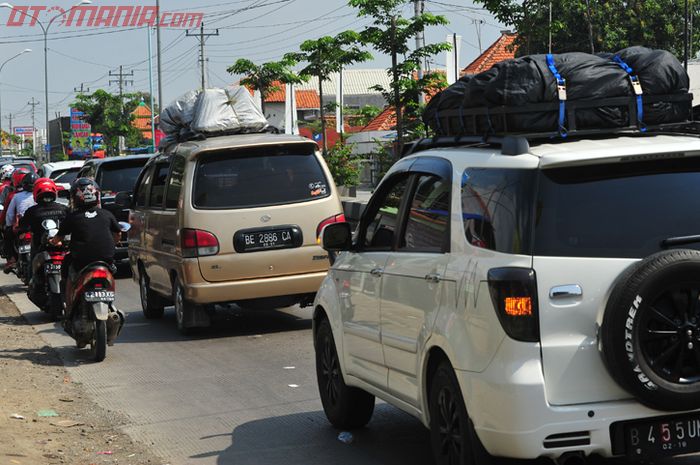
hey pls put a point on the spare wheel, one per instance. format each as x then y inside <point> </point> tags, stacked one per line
<point>650,335</point>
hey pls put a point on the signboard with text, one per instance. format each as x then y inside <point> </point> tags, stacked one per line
<point>23,130</point>
<point>80,135</point>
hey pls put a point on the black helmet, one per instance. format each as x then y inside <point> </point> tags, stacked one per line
<point>28,181</point>
<point>85,193</point>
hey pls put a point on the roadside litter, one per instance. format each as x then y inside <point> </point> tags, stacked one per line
<point>16,416</point>
<point>47,413</point>
<point>346,437</point>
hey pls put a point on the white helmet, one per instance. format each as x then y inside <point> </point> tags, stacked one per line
<point>6,172</point>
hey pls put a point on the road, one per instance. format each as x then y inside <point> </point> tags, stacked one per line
<point>243,392</point>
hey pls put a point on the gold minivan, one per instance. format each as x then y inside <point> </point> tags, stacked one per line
<point>230,219</point>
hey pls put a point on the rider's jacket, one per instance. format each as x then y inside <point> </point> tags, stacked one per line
<point>34,216</point>
<point>92,235</point>
<point>20,203</point>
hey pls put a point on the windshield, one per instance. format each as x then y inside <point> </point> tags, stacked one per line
<point>65,176</point>
<point>622,210</point>
<point>255,177</point>
<point>119,177</point>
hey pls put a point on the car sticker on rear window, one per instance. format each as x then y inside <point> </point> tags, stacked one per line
<point>318,188</point>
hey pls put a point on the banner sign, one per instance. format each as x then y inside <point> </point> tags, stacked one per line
<point>80,135</point>
<point>23,130</point>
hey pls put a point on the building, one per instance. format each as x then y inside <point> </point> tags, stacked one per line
<point>307,101</point>
<point>142,120</point>
<point>502,49</point>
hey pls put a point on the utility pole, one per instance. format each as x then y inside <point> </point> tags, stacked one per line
<point>121,81</point>
<point>82,89</point>
<point>419,7</point>
<point>477,24</point>
<point>160,75</point>
<point>33,103</point>
<point>10,132</point>
<point>202,37</point>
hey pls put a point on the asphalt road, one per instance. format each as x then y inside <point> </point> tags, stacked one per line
<point>242,392</point>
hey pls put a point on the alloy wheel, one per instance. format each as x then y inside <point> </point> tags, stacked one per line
<point>330,371</point>
<point>449,427</point>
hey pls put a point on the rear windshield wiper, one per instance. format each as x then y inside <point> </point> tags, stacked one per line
<point>681,240</point>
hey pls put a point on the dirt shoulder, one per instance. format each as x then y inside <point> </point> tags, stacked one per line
<point>35,385</point>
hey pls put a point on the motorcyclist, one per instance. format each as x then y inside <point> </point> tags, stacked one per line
<point>5,181</point>
<point>45,194</point>
<point>94,231</point>
<point>21,201</point>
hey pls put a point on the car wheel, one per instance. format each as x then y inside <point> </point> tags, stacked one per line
<point>452,434</point>
<point>345,407</point>
<point>151,303</point>
<point>650,334</point>
<point>183,309</point>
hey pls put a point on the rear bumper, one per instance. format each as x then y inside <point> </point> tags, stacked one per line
<point>511,415</point>
<point>203,292</point>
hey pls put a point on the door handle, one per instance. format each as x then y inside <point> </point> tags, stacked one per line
<point>377,272</point>
<point>569,290</point>
<point>433,277</point>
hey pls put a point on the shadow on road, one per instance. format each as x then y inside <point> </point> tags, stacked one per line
<point>226,322</point>
<point>45,356</point>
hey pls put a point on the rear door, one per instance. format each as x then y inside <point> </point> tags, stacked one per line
<point>154,226</point>
<point>593,223</point>
<point>264,205</point>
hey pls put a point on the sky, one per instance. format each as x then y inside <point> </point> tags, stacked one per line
<point>260,30</point>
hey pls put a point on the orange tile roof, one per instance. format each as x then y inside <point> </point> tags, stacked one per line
<point>500,50</point>
<point>385,121</point>
<point>306,99</point>
<point>142,120</point>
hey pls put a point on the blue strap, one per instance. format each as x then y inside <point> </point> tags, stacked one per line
<point>561,92</point>
<point>637,87</point>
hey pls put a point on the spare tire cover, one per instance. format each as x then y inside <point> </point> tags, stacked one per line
<point>650,335</point>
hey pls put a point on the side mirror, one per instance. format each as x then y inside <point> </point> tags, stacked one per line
<point>124,226</point>
<point>337,237</point>
<point>123,199</point>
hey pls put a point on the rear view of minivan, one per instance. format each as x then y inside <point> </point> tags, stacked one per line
<point>231,219</point>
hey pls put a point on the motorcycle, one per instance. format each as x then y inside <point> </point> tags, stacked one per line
<point>24,252</point>
<point>91,318</point>
<point>45,287</point>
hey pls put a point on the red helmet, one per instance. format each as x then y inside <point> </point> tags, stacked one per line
<point>45,190</point>
<point>17,177</point>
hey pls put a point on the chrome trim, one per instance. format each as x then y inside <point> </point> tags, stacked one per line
<point>568,290</point>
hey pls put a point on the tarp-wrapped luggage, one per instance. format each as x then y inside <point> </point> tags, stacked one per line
<point>572,91</point>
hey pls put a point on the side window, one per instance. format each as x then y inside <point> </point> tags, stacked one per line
<point>384,221</point>
<point>177,173</point>
<point>141,196</point>
<point>497,207</point>
<point>427,226</point>
<point>158,185</point>
<point>87,172</point>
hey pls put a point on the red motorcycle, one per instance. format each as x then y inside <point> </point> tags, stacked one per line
<point>24,252</point>
<point>91,318</point>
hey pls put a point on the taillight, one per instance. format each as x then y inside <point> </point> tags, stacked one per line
<point>198,243</point>
<point>514,294</point>
<point>99,273</point>
<point>333,219</point>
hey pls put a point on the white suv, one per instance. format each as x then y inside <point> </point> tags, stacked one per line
<point>523,301</point>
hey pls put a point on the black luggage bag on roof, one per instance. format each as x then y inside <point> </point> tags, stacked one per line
<point>567,92</point>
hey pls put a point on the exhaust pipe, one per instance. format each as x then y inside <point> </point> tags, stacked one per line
<point>572,458</point>
<point>115,323</point>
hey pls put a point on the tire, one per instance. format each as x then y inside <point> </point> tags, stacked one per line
<point>650,336</point>
<point>452,434</point>
<point>345,407</point>
<point>182,308</point>
<point>151,303</point>
<point>98,347</point>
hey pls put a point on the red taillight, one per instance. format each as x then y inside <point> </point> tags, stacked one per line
<point>198,243</point>
<point>100,273</point>
<point>333,219</point>
<point>26,236</point>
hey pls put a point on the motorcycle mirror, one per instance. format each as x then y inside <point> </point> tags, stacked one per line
<point>124,226</point>
<point>49,225</point>
<point>2,207</point>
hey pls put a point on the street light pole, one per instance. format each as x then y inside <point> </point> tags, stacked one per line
<point>26,50</point>
<point>45,30</point>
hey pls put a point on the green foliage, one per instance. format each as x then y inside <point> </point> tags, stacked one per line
<point>615,24</point>
<point>344,165</point>
<point>361,116</point>
<point>390,33</point>
<point>111,116</point>
<point>263,77</point>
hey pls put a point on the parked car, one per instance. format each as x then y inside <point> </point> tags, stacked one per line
<point>540,302</point>
<point>62,172</point>
<point>28,163</point>
<point>231,219</point>
<point>115,175</point>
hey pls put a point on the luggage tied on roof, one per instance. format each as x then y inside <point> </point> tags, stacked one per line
<point>637,87</point>
<point>561,93</point>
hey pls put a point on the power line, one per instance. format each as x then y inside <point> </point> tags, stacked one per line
<point>202,37</point>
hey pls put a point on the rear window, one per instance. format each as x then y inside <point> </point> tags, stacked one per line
<point>119,177</point>
<point>26,166</point>
<point>617,210</point>
<point>256,177</point>
<point>66,176</point>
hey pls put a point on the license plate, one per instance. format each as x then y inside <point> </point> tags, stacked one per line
<point>25,248</point>
<point>269,239</point>
<point>663,437</point>
<point>52,268</point>
<point>99,296</point>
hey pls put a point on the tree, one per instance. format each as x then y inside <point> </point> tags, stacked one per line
<point>390,34</point>
<point>326,56</point>
<point>263,77</point>
<point>110,115</point>
<point>594,25</point>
